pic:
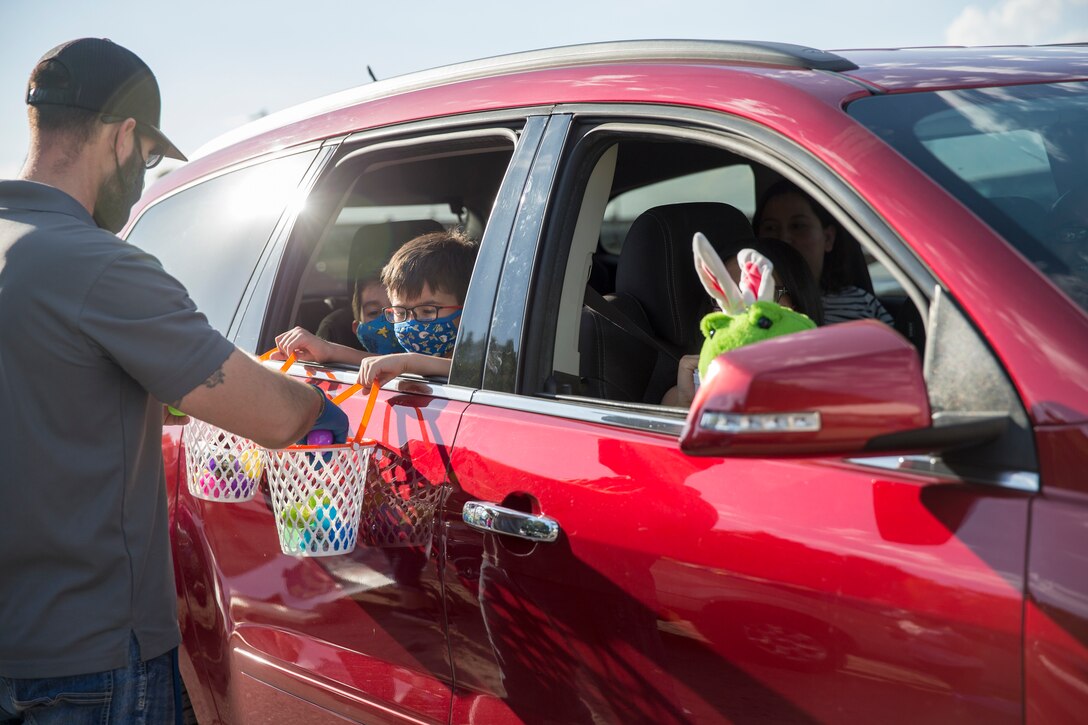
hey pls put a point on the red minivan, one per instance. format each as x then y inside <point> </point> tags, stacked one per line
<point>859,523</point>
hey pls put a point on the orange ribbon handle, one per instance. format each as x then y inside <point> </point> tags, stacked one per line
<point>370,401</point>
<point>286,363</point>
<point>372,398</point>
<point>342,396</point>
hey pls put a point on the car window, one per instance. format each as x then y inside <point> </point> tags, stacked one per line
<point>1014,155</point>
<point>370,201</point>
<point>625,320</point>
<point>229,219</point>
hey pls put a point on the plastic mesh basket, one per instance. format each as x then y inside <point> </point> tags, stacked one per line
<point>317,496</point>
<point>398,513</point>
<point>221,466</point>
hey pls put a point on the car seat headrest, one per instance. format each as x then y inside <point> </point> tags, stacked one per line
<point>656,266</point>
<point>374,244</point>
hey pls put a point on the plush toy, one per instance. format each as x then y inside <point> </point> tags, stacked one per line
<point>749,313</point>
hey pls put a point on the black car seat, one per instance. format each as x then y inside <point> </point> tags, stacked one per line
<point>852,262</point>
<point>657,292</point>
<point>371,248</point>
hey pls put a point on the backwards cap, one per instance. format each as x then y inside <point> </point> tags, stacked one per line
<point>98,75</point>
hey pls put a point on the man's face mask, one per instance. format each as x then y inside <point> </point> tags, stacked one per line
<point>119,193</point>
<point>429,338</point>
<point>378,336</point>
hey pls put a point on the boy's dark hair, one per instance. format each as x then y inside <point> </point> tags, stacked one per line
<point>841,264</point>
<point>442,260</point>
<point>71,121</point>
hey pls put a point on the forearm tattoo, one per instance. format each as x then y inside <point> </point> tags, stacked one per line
<point>214,379</point>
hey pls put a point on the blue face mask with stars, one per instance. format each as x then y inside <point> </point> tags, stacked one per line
<point>377,336</point>
<point>429,338</point>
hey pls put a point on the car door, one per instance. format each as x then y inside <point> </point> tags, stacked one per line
<point>360,635</point>
<point>600,574</point>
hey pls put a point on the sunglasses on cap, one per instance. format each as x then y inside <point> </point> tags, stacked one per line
<point>154,156</point>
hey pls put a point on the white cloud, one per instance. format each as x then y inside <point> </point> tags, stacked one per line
<point>1020,22</point>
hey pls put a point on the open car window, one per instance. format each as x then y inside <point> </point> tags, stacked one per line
<point>631,301</point>
<point>373,199</point>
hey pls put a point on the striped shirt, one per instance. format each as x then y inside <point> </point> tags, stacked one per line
<point>853,303</point>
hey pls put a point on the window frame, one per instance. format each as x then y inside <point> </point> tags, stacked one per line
<point>758,145</point>
<point>273,295</point>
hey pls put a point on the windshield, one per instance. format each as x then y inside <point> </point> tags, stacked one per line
<point>1017,156</point>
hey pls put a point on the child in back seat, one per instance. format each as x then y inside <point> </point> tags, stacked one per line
<point>416,305</point>
<point>427,280</point>
<point>369,326</point>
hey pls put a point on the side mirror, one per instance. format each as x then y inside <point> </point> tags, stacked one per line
<point>839,390</point>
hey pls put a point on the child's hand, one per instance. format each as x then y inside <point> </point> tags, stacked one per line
<point>383,368</point>
<point>304,344</point>
<point>685,379</point>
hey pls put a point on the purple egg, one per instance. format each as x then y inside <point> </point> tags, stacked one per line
<point>319,438</point>
<point>227,468</point>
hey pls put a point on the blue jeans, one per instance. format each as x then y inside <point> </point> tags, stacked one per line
<point>142,693</point>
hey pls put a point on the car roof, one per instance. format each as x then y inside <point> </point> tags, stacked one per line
<point>914,69</point>
<point>645,51</point>
<point>834,76</point>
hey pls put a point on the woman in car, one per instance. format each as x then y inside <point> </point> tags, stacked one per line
<point>787,213</point>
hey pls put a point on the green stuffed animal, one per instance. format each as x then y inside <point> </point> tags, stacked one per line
<point>749,313</point>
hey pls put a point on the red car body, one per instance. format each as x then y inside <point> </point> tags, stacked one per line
<point>697,577</point>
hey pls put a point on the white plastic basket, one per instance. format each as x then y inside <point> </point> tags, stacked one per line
<point>317,496</point>
<point>398,513</point>
<point>219,465</point>
<point>317,491</point>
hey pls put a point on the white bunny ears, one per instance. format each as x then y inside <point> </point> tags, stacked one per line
<point>756,280</point>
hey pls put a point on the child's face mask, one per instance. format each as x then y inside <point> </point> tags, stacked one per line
<point>377,336</point>
<point>435,337</point>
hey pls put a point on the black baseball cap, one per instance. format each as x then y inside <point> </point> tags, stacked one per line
<point>98,75</point>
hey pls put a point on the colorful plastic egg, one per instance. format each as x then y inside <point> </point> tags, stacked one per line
<point>319,438</point>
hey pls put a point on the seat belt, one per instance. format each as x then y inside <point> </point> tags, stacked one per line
<point>607,310</point>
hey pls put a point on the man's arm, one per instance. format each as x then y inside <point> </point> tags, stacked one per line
<point>253,401</point>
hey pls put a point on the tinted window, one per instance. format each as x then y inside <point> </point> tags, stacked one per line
<point>210,236</point>
<point>1014,155</point>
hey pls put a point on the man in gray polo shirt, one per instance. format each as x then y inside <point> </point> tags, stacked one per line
<point>93,335</point>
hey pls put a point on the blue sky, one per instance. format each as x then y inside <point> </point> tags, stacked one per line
<point>221,63</point>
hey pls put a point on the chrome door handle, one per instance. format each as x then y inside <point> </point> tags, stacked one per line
<point>494,519</point>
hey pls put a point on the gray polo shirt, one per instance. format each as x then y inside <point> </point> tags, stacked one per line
<point>93,333</point>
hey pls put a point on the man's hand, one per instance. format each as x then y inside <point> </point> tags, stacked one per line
<point>304,344</point>
<point>169,418</point>
<point>331,418</point>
